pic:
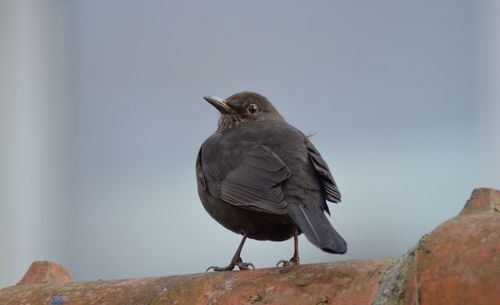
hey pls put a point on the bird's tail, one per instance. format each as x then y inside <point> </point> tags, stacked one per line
<point>318,230</point>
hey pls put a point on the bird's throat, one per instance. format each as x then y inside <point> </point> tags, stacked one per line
<point>228,121</point>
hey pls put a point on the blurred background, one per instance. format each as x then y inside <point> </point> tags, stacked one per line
<point>101,118</point>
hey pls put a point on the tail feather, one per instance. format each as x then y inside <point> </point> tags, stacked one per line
<point>316,227</point>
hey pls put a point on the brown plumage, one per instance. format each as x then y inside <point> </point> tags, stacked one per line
<point>262,178</point>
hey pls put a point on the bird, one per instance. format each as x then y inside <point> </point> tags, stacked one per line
<point>262,178</point>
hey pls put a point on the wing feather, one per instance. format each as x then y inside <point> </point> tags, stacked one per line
<point>254,184</point>
<point>326,178</point>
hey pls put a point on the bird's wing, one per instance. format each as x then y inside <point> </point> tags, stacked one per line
<point>254,184</point>
<point>326,178</point>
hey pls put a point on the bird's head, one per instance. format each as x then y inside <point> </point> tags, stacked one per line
<point>243,108</point>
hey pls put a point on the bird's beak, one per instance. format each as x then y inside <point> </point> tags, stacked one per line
<point>219,104</point>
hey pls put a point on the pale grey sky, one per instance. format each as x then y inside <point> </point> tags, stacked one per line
<point>391,89</point>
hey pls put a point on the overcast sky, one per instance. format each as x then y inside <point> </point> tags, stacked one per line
<point>390,89</point>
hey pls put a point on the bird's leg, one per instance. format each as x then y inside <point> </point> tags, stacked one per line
<point>236,261</point>
<point>295,258</point>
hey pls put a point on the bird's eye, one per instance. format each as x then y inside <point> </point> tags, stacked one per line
<point>252,109</point>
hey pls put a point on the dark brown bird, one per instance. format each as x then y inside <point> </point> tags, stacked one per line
<point>262,178</point>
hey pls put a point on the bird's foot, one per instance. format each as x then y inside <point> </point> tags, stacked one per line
<point>237,262</point>
<point>245,266</point>
<point>292,262</point>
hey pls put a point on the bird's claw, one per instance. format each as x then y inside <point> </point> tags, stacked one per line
<point>284,262</point>
<point>292,262</point>
<point>245,266</point>
<point>241,265</point>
